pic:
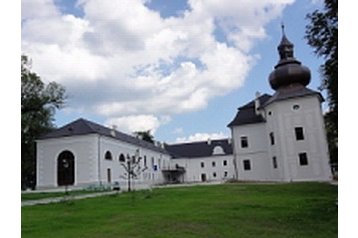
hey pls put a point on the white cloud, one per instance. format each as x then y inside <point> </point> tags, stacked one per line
<point>122,59</point>
<point>130,124</point>
<point>201,137</point>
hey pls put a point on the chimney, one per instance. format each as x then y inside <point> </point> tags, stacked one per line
<point>257,103</point>
<point>229,140</point>
<point>209,141</point>
<point>113,130</point>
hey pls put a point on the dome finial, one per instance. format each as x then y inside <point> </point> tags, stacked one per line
<point>283,28</point>
<point>285,48</point>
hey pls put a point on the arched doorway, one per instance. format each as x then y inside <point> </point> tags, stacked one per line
<point>65,168</point>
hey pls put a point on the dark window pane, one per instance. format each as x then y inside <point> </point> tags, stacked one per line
<point>244,142</point>
<point>272,138</point>
<point>247,165</point>
<point>108,155</point>
<point>274,162</point>
<point>299,133</point>
<point>303,158</point>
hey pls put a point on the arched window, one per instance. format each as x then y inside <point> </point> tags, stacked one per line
<point>108,155</point>
<point>65,168</point>
<point>122,158</point>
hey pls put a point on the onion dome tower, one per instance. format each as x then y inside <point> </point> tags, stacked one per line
<point>289,71</point>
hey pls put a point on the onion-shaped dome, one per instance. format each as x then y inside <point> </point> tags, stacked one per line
<point>288,70</point>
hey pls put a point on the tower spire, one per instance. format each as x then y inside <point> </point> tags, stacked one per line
<point>285,48</point>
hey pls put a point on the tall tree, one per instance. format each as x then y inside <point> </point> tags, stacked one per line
<point>38,105</point>
<point>322,35</point>
<point>145,135</point>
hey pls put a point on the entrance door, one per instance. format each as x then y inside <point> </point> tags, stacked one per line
<point>65,168</point>
<point>203,177</point>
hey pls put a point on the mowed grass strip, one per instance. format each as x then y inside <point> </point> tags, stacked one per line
<point>39,195</point>
<point>229,210</point>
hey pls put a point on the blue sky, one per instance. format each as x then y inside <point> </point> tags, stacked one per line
<point>156,64</point>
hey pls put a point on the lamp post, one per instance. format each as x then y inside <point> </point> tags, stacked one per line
<point>66,165</point>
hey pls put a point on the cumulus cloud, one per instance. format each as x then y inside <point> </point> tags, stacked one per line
<point>201,137</point>
<point>122,59</point>
<point>130,124</point>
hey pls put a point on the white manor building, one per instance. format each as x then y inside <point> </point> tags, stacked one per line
<point>274,138</point>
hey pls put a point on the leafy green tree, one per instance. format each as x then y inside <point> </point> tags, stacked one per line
<point>322,35</point>
<point>38,105</point>
<point>145,135</point>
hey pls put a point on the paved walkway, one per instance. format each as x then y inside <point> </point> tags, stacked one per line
<point>64,198</point>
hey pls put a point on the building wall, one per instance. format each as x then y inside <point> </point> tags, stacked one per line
<point>194,170</point>
<point>282,121</point>
<point>155,162</point>
<point>91,167</point>
<point>255,152</point>
<point>84,151</point>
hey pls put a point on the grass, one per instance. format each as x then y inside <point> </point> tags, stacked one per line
<point>37,196</point>
<point>230,210</point>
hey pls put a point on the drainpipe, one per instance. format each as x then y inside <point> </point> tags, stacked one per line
<point>99,159</point>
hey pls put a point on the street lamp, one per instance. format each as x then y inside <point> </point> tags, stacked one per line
<point>66,165</point>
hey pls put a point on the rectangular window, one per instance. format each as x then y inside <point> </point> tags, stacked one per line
<point>213,164</point>
<point>152,162</point>
<point>225,162</point>
<point>272,138</point>
<point>109,175</point>
<point>244,142</point>
<point>202,164</point>
<point>303,159</point>
<point>274,162</point>
<point>145,161</point>
<point>247,165</point>
<point>299,133</point>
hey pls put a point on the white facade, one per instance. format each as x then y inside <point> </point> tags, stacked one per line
<point>206,169</point>
<point>90,165</point>
<point>278,159</point>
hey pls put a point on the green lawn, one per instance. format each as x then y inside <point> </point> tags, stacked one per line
<point>230,210</point>
<point>36,196</point>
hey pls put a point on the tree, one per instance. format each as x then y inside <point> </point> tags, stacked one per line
<point>322,35</point>
<point>38,105</point>
<point>145,135</point>
<point>133,169</point>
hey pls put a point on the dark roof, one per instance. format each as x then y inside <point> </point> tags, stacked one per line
<point>198,149</point>
<point>247,114</point>
<point>84,127</point>
<point>292,92</point>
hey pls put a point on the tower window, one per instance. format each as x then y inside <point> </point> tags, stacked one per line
<point>303,158</point>
<point>272,138</point>
<point>213,164</point>
<point>244,142</point>
<point>225,162</point>
<point>247,164</point>
<point>299,133</point>
<point>202,164</point>
<point>296,107</point>
<point>274,162</point>
<point>214,175</point>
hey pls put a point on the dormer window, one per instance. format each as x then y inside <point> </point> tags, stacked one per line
<point>218,150</point>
